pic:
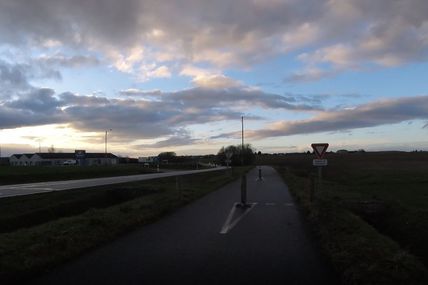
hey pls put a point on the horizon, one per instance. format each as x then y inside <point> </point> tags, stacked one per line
<point>178,77</point>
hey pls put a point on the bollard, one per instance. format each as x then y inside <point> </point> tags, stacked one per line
<point>244,191</point>
<point>260,178</point>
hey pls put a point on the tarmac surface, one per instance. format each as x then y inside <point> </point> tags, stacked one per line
<point>211,241</point>
<point>43,187</point>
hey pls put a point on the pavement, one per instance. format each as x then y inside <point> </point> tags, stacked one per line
<point>211,241</point>
<point>43,187</point>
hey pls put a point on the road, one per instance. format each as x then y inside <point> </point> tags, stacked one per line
<point>41,187</point>
<point>211,242</point>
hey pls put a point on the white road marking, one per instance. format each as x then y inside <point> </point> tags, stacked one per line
<point>229,225</point>
<point>289,204</point>
<point>270,204</point>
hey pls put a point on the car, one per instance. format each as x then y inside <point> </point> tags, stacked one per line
<point>69,162</point>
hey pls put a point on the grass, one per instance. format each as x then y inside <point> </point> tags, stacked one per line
<point>371,213</point>
<point>28,250</point>
<point>28,174</point>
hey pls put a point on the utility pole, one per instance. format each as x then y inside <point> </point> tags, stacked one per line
<point>105,142</point>
<point>242,142</point>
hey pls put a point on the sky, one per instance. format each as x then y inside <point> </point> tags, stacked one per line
<point>179,75</point>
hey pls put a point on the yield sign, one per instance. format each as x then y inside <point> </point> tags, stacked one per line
<point>320,149</point>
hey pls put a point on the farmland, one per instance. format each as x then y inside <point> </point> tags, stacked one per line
<point>379,199</point>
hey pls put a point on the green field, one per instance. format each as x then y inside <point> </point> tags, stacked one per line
<point>371,212</point>
<point>41,231</point>
<point>27,174</point>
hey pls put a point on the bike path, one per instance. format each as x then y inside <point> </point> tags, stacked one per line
<point>211,242</point>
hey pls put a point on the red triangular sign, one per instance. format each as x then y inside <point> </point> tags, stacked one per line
<point>319,149</point>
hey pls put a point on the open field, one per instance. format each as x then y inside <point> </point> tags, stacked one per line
<point>371,212</point>
<point>28,174</point>
<point>43,230</point>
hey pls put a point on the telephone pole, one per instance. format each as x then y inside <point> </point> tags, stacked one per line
<point>242,142</point>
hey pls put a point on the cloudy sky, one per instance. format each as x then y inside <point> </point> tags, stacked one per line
<point>178,75</point>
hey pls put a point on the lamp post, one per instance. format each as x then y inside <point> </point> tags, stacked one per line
<point>105,142</point>
<point>242,140</point>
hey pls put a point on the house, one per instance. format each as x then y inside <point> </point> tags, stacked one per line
<point>14,159</point>
<point>56,159</point>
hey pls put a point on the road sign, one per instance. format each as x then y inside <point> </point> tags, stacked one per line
<point>229,155</point>
<point>319,162</point>
<point>320,149</point>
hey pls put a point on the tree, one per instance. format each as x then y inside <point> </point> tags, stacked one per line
<point>240,155</point>
<point>167,155</point>
<point>51,149</point>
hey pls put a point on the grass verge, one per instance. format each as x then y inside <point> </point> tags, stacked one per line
<point>29,251</point>
<point>357,250</point>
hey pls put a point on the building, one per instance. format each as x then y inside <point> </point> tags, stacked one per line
<point>55,159</point>
<point>151,160</point>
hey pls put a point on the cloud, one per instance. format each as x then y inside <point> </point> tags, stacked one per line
<point>310,74</point>
<point>61,60</point>
<point>179,139</point>
<point>133,34</point>
<point>15,77</point>
<point>35,107</point>
<point>368,115</point>
<point>12,78</point>
<point>141,114</point>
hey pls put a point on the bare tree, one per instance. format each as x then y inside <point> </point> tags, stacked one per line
<point>51,149</point>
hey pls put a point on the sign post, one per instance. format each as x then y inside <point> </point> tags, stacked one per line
<point>320,150</point>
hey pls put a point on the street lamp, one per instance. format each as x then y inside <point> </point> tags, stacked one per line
<point>105,142</point>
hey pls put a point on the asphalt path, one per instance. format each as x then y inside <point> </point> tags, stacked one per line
<point>211,241</point>
<point>42,187</point>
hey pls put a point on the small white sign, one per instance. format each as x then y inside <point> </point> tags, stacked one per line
<point>319,162</point>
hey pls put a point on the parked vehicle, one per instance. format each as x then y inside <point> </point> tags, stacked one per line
<point>69,162</point>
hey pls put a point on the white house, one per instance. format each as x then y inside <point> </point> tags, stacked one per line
<point>52,159</point>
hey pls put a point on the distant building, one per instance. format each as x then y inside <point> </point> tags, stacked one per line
<point>52,159</point>
<point>148,160</point>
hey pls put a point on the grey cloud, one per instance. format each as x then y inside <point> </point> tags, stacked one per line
<point>228,98</point>
<point>69,61</point>
<point>140,93</point>
<point>238,32</point>
<point>368,115</point>
<point>181,138</point>
<point>135,118</point>
<point>15,77</point>
<point>38,100</point>
<point>35,107</point>
<point>68,98</point>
